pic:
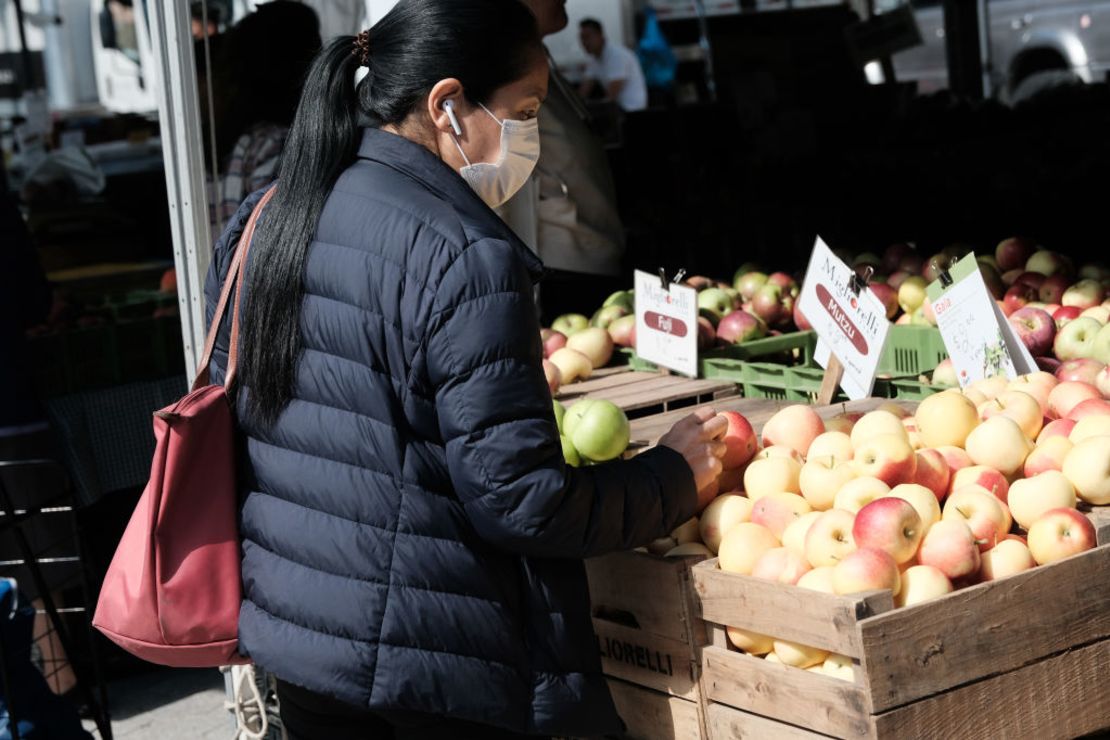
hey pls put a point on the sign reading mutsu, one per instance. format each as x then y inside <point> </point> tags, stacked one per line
<point>666,323</point>
<point>849,320</point>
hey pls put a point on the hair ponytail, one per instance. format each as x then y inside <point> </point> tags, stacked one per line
<point>417,44</point>
<point>322,142</point>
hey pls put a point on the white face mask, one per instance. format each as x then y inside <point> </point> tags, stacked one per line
<point>496,183</point>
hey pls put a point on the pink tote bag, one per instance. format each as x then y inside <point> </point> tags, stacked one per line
<point>172,593</point>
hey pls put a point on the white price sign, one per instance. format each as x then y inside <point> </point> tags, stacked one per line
<point>978,337</point>
<point>852,325</point>
<point>667,324</point>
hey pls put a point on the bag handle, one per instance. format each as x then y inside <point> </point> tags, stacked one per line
<point>234,278</point>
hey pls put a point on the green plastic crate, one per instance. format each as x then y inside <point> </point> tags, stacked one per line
<point>912,351</point>
<point>912,389</point>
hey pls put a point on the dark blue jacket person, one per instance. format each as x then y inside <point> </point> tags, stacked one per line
<point>412,539</point>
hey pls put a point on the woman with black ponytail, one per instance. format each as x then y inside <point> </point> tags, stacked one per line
<point>412,538</point>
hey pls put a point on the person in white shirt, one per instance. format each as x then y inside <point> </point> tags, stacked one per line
<point>567,211</point>
<point>614,67</point>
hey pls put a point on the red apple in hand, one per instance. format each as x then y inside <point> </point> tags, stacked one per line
<point>740,441</point>
<point>1035,328</point>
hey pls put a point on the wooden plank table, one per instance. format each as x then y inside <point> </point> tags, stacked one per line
<point>644,393</point>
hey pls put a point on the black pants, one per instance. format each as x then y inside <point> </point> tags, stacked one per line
<point>307,715</point>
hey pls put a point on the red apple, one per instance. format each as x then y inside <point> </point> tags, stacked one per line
<point>1064,314</point>
<point>933,472</point>
<point>888,457</point>
<point>749,283</point>
<point>552,341</point>
<point>1083,370</point>
<point>1056,428</point>
<point>891,525</point>
<point>739,327</point>
<point>887,296</point>
<point>800,320</point>
<point>784,281</point>
<point>1090,407</point>
<point>1052,289</point>
<point>897,278</point>
<point>986,478</point>
<point>1060,533</point>
<point>1067,395</point>
<point>1013,253</point>
<point>623,331</point>
<point>740,441</point>
<point>1017,296</point>
<point>993,280</point>
<point>1032,280</point>
<point>950,547</point>
<point>1035,328</point>
<point>868,569</point>
<point>772,304</point>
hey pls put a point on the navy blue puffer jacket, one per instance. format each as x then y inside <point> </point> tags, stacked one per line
<point>412,539</point>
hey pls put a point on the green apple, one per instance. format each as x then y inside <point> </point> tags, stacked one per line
<point>601,433</point>
<point>606,315</point>
<point>1102,345</point>
<point>715,300</point>
<point>570,324</point>
<point>560,413</point>
<point>748,283</point>
<point>574,415</point>
<point>570,454</point>
<point>623,298</point>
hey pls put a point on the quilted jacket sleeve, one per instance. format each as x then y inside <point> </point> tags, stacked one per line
<point>503,450</point>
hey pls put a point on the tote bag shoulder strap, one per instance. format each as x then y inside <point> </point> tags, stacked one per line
<point>233,279</point>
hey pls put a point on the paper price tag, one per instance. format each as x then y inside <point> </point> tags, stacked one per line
<point>853,327</point>
<point>977,335</point>
<point>667,324</point>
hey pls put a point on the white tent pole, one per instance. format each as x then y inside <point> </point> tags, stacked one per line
<point>175,82</point>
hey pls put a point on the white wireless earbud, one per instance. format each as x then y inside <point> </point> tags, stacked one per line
<point>449,109</point>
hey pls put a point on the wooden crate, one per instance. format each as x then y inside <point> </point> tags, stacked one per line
<point>649,636</point>
<point>1017,657</point>
<point>653,715</point>
<point>642,393</point>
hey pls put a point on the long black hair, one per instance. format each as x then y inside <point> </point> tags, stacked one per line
<point>485,44</point>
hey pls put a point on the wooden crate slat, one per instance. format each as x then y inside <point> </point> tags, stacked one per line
<point>661,390</point>
<point>650,715</point>
<point>654,592</point>
<point>595,385</point>
<point>918,651</point>
<point>796,614</point>
<point>827,705</point>
<point>648,659</point>
<point>1065,696</point>
<point>725,723</point>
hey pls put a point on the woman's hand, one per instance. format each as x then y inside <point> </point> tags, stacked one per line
<point>698,439</point>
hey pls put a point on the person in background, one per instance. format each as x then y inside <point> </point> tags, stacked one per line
<point>198,15</point>
<point>412,537</point>
<point>567,212</point>
<point>257,83</point>
<point>613,67</point>
<point>26,300</point>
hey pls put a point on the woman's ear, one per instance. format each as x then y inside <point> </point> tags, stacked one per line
<point>444,116</point>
